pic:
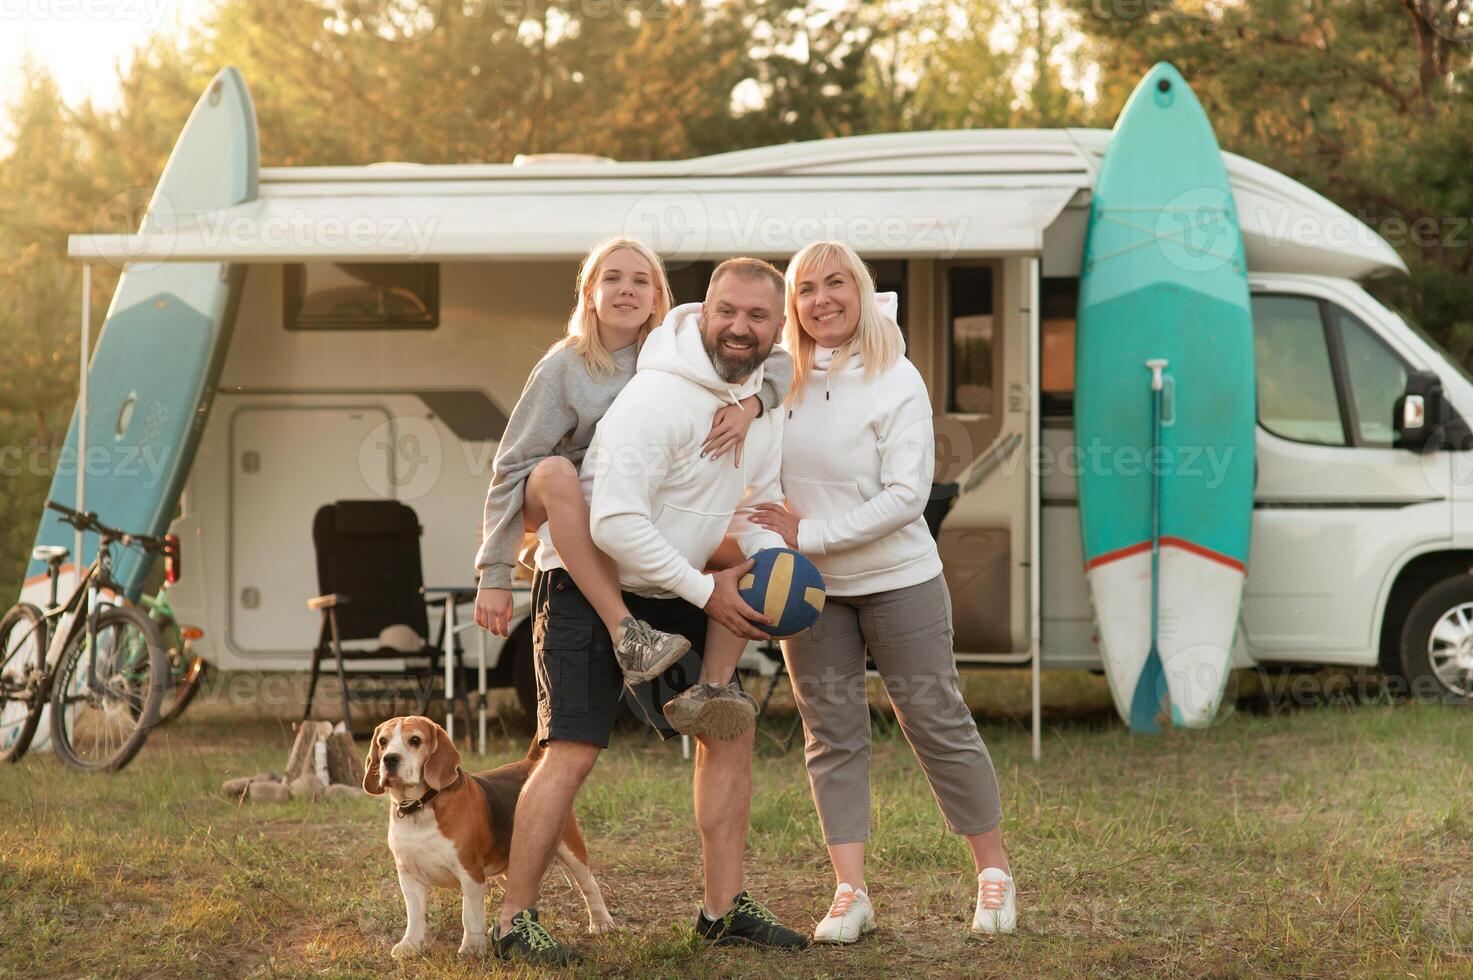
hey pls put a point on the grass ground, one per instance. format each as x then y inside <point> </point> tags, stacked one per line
<point>1324,841</point>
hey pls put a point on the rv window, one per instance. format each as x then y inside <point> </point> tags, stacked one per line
<point>1059,303</point>
<point>969,315</point>
<point>1296,385</point>
<point>1377,379</point>
<point>361,296</point>
<point>890,278</point>
<point>688,282</point>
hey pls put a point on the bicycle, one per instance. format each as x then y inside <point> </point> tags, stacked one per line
<point>98,665</point>
<point>186,668</point>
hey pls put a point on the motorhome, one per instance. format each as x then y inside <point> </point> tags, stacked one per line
<point>390,314</point>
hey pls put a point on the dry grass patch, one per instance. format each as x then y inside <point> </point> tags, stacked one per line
<point>1330,841</point>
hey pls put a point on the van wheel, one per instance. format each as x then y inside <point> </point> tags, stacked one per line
<point>523,670</point>
<point>1437,641</point>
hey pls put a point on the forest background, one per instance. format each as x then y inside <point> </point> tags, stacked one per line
<point>1366,101</point>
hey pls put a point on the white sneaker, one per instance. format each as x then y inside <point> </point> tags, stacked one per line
<point>850,916</point>
<point>997,907</point>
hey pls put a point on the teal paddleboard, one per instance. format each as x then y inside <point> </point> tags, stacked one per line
<point>157,360</point>
<point>1166,471</point>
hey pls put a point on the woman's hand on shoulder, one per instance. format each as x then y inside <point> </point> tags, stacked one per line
<point>779,520</point>
<point>729,430</point>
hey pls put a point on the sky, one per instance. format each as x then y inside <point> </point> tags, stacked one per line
<point>82,41</point>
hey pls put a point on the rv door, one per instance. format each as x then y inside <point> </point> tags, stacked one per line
<point>978,362</point>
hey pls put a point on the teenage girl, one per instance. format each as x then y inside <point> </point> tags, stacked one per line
<point>622,295</point>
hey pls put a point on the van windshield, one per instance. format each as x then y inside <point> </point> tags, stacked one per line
<point>1416,328</point>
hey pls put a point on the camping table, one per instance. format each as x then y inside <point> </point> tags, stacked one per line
<point>453,596</point>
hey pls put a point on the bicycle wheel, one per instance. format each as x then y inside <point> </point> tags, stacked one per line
<point>188,675</point>
<point>101,724</point>
<point>186,669</point>
<point>22,678</point>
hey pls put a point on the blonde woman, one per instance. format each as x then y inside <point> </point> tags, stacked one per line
<point>622,295</point>
<point>857,465</point>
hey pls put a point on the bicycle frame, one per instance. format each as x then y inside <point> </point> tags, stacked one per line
<point>81,611</point>
<point>157,606</point>
<point>84,606</point>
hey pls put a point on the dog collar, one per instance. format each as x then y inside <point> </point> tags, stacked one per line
<point>406,808</point>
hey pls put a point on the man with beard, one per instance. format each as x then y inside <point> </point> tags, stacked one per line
<point>660,510</point>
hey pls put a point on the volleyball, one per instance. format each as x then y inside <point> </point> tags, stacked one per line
<point>786,587</point>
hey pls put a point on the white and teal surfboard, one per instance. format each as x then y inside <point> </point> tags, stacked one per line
<point>1164,279</point>
<point>157,360</point>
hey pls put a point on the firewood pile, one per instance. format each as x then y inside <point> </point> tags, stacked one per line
<point>324,762</point>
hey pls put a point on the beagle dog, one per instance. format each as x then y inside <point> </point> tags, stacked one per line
<point>451,828</point>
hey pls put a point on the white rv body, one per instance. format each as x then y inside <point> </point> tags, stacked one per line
<point>981,230</point>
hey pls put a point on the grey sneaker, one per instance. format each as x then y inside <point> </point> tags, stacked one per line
<point>719,711</point>
<point>645,653</point>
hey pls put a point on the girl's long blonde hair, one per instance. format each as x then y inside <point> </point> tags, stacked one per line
<point>877,340</point>
<point>582,334</point>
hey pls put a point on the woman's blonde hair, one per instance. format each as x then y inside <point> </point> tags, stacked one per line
<point>877,340</point>
<point>582,334</point>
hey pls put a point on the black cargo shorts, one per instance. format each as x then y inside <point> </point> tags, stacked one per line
<point>579,683</point>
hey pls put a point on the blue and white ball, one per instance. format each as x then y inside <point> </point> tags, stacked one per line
<point>786,587</point>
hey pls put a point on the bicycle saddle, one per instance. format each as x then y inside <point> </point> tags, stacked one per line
<point>49,553</point>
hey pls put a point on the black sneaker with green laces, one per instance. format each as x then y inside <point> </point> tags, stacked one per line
<point>528,941</point>
<point>748,924</point>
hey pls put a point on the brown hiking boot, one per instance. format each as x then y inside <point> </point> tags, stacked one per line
<point>719,711</point>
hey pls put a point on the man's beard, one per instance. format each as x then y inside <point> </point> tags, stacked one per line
<point>733,368</point>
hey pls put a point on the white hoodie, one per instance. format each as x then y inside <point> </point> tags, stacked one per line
<point>657,508</point>
<point>858,459</point>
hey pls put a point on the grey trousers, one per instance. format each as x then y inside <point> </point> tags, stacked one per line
<point>908,632</point>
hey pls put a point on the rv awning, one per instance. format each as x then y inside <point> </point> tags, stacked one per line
<point>941,216</point>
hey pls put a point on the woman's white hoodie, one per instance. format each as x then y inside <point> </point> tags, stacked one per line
<point>858,459</point>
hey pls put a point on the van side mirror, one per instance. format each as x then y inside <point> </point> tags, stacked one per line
<point>1419,412</point>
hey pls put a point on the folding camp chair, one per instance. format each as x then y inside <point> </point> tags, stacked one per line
<point>369,574</point>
